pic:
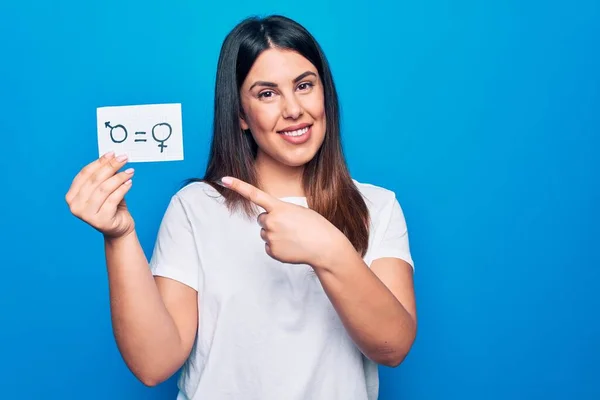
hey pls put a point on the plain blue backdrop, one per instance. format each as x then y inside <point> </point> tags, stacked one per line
<point>483,117</point>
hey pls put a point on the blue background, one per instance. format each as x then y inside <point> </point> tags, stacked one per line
<point>482,116</point>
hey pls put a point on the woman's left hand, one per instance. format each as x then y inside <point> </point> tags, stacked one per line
<point>292,233</point>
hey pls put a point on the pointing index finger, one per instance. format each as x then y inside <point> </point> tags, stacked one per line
<point>250,192</point>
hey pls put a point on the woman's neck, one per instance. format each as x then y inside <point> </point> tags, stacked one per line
<point>277,179</point>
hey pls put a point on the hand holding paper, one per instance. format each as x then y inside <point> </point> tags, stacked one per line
<point>96,196</point>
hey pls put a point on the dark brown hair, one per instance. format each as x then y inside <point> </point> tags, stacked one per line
<point>328,185</point>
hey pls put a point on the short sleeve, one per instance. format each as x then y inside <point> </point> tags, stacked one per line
<point>393,238</point>
<point>175,254</point>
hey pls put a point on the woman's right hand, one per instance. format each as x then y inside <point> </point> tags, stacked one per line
<point>97,196</point>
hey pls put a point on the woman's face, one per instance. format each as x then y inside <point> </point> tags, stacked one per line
<point>283,105</point>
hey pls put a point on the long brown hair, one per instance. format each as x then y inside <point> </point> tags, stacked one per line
<point>328,185</point>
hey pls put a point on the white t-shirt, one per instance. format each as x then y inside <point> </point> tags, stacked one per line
<point>267,330</point>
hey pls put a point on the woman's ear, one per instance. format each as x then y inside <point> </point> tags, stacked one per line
<point>243,123</point>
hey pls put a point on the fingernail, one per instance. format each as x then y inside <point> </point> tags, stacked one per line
<point>122,158</point>
<point>129,171</point>
<point>109,155</point>
<point>226,181</point>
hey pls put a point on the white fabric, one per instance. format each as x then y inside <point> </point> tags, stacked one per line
<point>267,330</point>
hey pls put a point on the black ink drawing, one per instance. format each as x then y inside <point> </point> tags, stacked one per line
<point>140,140</point>
<point>162,141</point>
<point>116,130</point>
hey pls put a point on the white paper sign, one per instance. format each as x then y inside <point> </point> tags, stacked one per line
<point>150,132</point>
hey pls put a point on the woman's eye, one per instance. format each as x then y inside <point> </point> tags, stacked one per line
<point>265,94</point>
<point>305,86</point>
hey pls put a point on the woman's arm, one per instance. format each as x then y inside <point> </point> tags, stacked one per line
<point>376,305</point>
<point>154,319</point>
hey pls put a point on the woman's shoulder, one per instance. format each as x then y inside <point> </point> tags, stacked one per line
<point>383,205</point>
<point>374,195</point>
<point>198,192</point>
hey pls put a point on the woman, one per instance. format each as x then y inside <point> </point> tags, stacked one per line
<point>285,279</point>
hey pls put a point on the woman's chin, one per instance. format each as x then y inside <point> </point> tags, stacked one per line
<point>297,159</point>
<point>291,158</point>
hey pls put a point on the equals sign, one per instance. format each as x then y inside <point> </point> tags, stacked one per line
<point>140,140</point>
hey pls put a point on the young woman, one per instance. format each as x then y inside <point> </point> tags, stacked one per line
<point>276,276</point>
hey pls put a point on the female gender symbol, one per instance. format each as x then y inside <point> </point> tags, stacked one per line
<point>161,142</point>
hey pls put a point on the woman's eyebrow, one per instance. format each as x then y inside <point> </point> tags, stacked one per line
<point>274,85</point>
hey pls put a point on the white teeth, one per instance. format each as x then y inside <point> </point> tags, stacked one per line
<point>299,132</point>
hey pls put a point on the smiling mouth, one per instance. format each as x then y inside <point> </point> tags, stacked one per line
<point>297,132</point>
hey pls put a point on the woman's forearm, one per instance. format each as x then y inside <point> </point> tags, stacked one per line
<point>377,322</point>
<point>145,332</point>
